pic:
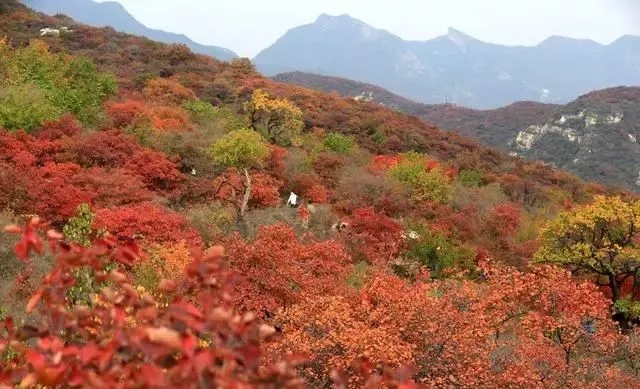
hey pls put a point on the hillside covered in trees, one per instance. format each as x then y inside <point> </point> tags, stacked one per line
<point>593,137</point>
<point>149,242</point>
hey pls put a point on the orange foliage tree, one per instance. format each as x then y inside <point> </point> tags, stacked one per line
<point>539,329</point>
<point>279,268</point>
<point>166,91</point>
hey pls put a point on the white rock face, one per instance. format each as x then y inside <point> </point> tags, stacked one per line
<point>527,137</point>
<point>615,118</point>
<point>364,96</point>
<point>632,138</point>
<point>591,120</point>
<point>565,118</point>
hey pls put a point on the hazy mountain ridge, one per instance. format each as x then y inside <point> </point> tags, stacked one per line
<point>111,13</point>
<point>454,67</point>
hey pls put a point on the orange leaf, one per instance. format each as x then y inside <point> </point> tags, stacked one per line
<point>164,335</point>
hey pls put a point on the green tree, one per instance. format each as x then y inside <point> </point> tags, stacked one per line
<point>338,143</point>
<point>201,111</point>
<point>597,239</point>
<point>56,83</point>
<point>426,184</point>
<point>25,107</point>
<point>240,149</point>
<point>79,230</point>
<point>278,119</point>
<point>470,178</point>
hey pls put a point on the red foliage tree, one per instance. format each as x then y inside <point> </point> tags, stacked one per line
<point>275,162</point>
<point>167,91</point>
<point>231,186</point>
<point>376,236</point>
<point>381,163</point>
<point>265,190</point>
<point>125,113</point>
<point>127,338</point>
<point>170,118</point>
<point>156,171</point>
<point>317,194</point>
<point>53,195</point>
<point>105,148</point>
<point>113,187</point>
<point>279,268</point>
<point>67,125</point>
<point>148,222</point>
<point>504,219</point>
<point>328,167</point>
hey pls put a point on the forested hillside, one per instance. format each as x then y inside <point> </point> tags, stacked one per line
<point>150,243</point>
<point>593,137</point>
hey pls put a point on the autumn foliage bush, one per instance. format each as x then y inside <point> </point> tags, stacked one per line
<point>126,337</point>
<point>280,269</point>
<point>458,317</point>
<point>146,221</point>
<point>125,113</point>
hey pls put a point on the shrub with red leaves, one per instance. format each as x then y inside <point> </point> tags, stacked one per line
<point>125,113</point>
<point>66,125</point>
<point>375,235</point>
<point>146,221</point>
<point>156,171</point>
<point>105,148</point>
<point>127,339</point>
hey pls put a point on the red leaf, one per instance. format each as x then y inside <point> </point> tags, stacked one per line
<point>36,359</point>
<point>153,376</point>
<point>33,301</point>
<point>202,361</point>
<point>89,353</point>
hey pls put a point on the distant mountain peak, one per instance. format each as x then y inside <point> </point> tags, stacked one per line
<point>331,21</point>
<point>458,37</point>
<point>345,22</point>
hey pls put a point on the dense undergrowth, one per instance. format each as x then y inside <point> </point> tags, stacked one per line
<point>168,172</point>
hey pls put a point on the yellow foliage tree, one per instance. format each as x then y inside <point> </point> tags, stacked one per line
<point>427,183</point>
<point>278,119</point>
<point>599,239</point>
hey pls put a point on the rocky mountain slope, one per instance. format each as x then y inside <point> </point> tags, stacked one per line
<point>111,13</point>
<point>454,67</point>
<point>593,136</point>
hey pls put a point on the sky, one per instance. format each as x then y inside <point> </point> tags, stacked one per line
<point>248,26</point>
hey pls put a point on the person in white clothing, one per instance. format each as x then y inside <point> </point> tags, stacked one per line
<point>293,199</point>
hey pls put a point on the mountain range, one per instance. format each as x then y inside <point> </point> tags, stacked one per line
<point>595,136</point>
<point>546,108</point>
<point>112,14</point>
<point>454,67</point>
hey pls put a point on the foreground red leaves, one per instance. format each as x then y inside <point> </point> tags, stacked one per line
<point>128,339</point>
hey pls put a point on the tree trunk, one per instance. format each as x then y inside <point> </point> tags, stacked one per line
<point>620,317</point>
<point>241,223</point>
<point>615,291</point>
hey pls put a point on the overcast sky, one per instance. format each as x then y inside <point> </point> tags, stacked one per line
<point>248,26</point>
